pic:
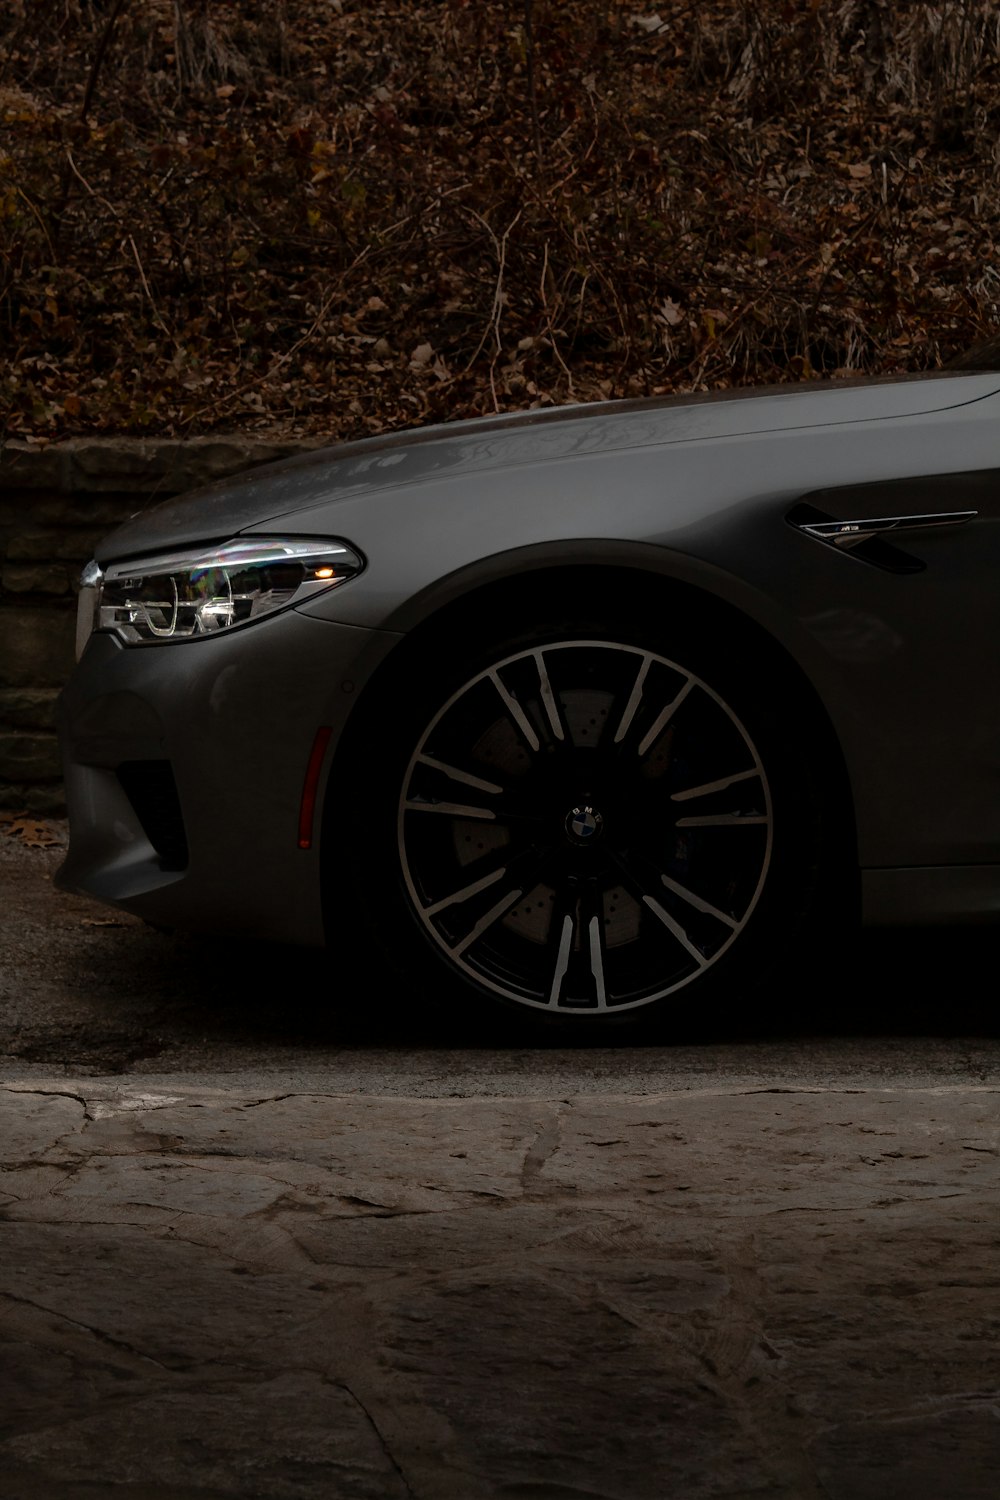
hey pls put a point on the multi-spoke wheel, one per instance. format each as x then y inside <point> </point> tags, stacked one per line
<point>587,825</point>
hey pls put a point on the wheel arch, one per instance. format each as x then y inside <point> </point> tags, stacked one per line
<point>513,587</point>
<point>564,561</point>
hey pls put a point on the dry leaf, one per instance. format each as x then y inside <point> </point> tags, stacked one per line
<point>34,833</point>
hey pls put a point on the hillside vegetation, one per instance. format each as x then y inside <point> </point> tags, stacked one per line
<point>334,216</point>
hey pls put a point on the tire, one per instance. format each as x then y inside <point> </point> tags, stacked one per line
<point>598,821</point>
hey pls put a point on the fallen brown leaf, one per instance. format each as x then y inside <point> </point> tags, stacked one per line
<point>34,833</point>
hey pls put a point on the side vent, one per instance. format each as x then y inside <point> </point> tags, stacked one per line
<point>865,539</point>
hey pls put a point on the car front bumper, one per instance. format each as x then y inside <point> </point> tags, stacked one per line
<point>185,766</point>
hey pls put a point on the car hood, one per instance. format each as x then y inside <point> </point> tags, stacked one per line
<point>449,451</point>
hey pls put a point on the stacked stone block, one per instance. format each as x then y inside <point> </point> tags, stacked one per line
<point>56,501</point>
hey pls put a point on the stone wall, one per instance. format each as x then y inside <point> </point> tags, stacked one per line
<point>56,501</point>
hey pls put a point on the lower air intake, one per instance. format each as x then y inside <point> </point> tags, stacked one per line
<point>150,787</point>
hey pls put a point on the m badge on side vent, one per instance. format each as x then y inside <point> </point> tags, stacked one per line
<point>867,538</point>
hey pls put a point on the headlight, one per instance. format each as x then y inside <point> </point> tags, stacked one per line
<point>201,592</point>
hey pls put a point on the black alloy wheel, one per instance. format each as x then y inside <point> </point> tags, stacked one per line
<point>587,826</point>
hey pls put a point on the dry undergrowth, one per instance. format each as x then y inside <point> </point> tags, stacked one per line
<point>335,216</point>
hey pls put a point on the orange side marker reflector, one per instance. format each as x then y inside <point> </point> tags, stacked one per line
<point>310,787</point>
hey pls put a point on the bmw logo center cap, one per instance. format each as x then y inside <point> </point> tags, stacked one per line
<point>583,824</point>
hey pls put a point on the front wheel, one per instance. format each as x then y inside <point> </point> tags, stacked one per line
<point>590,827</point>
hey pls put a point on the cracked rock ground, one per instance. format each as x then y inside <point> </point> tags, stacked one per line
<point>713,1293</point>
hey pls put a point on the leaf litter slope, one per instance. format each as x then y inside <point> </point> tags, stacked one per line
<point>329,217</point>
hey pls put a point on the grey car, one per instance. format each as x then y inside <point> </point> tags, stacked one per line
<point>599,712</point>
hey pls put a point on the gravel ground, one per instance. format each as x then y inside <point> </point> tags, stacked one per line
<point>85,990</point>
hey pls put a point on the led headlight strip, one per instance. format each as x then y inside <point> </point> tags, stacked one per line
<point>186,594</point>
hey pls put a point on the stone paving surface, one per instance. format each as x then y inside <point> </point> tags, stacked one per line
<point>787,1293</point>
